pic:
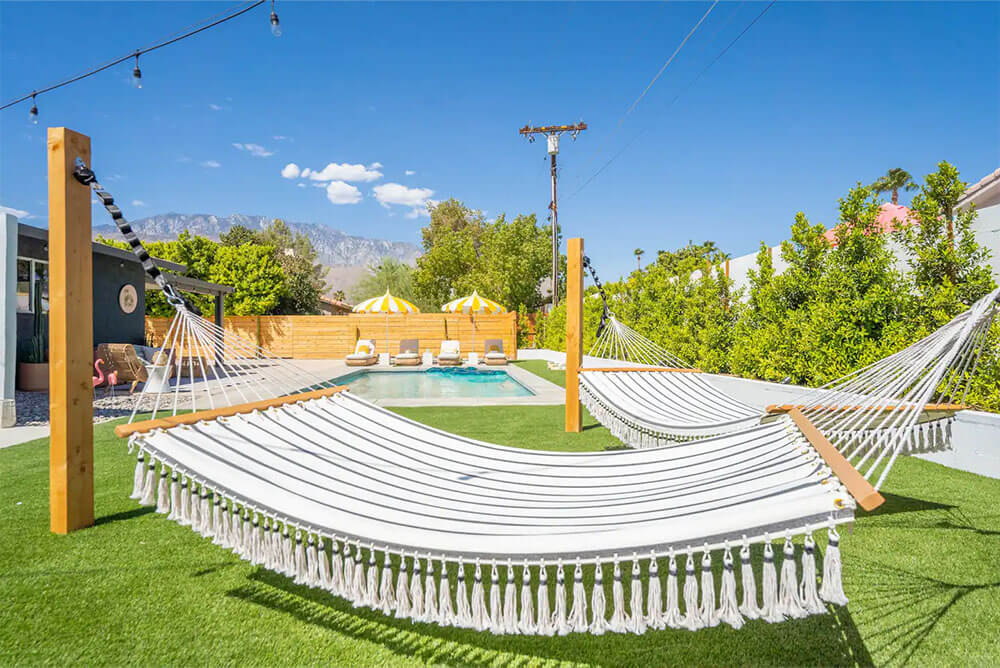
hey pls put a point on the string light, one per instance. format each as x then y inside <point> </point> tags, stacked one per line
<point>137,73</point>
<point>275,23</point>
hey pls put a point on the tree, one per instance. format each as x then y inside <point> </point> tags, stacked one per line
<point>389,274</point>
<point>894,180</point>
<point>295,253</point>
<point>256,276</point>
<point>505,260</point>
<point>238,235</point>
<point>948,268</point>
<point>638,256</point>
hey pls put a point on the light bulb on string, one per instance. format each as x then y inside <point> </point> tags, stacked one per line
<point>275,23</point>
<point>33,113</point>
<point>137,73</point>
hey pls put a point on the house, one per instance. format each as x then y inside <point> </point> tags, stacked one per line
<point>985,196</point>
<point>119,294</point>
<point>329,306</point>
<point>889,217</point>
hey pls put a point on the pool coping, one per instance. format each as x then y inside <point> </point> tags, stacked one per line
<point>545,392</point>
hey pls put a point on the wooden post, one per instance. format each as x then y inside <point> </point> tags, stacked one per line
<point>71,337</point>
<point>574,331</point>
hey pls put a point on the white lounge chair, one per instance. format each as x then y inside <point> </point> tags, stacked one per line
<point>409,353</point>
<point>494,353</point>
<point>363,355</point>
<point>450,355</point>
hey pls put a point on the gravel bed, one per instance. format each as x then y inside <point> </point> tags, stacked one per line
<point>33,407</point>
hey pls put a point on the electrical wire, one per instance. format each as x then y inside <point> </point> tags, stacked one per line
<point>176,37</point>
<point>676,97</point>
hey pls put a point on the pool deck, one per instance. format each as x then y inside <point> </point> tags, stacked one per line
<point>545,393</point>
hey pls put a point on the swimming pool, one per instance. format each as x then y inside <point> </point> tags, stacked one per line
<point>435,383</point>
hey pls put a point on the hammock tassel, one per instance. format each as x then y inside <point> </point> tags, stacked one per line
<point>496,618</point>
<point>301,573</point>
<point>222,525</point>
<point>637,621</point>
<point>246,543</point>
<point>215,523</point>
<point>325,575</point>
<point>619,620</point>
<point>728,604</point>
<point>672,615</point>
<point>832,590</point>
<point>559,616</point>
<point>526,624</point>
<point>194,516</point>
<point>371,590</point>
<point>480,615</point>
<point>463,618</point>
<point>769,611</point>
<point>257,545</point>
<point>185,518</point>
<point>430,593</point>
<point>348,585</point>
<point>598,624</point>
<point>386,594</point>
<point>578,613</point>
<point>709,613</point>
<point>810,596</point>
<point>148,497</point>
<point>270,537</point>
<point>545,626</point>
<point>140,469</point>
<point>790,603</point>
<point>205,514</point>
<point>749,608</point>
<point>162,495</point>
<point>654,596</point>
<point>510,601</point>
<point>312,564</point>
<point>692,618</point>
<point>446,614</point>
<point>417,592</point>
<point>403,589</point>
<point>175,498</point>
<point>358,585</point>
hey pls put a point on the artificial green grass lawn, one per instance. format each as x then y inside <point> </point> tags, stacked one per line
<point>922,572</point>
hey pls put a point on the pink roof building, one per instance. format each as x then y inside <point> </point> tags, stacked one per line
<point>889,216</point>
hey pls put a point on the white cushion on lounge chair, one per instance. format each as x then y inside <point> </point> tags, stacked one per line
<point>363,349</point>
<point>407,356</point>
<point>495,356</point>
<point>449,356</point>
<point>359,356</point>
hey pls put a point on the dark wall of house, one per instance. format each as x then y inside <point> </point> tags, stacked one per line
<point>111,324</point>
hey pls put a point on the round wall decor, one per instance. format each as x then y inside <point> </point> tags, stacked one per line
<point>128,298</point>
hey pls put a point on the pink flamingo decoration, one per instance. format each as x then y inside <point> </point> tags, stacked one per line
<point>112,381</point>
<point>99,378</point>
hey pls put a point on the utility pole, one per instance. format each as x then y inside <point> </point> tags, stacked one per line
<point>552,133</point>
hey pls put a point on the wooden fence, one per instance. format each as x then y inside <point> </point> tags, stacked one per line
<point>333,337</point>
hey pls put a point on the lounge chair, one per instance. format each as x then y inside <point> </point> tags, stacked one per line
<point>363,355</point>
<point>409,353</point>
<point>450,355</point>
<point>494,353</point>
<point>132,363</point>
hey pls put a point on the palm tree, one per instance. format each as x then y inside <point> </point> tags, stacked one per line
<point>895,179</point>
<point>638,256</point>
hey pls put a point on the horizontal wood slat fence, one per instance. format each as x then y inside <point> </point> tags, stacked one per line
<point>333,337</point>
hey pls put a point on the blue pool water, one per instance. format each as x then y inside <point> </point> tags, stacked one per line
<point>435,383</point>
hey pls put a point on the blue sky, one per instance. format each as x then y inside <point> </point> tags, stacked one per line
<point>419,101</point>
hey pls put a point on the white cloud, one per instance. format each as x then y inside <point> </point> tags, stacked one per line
<point>416,199</point>
<point>301,185</point>
<point>339,192</point>
<point>17,213</point>
<point>211,163</point>
<point>375,165</point>
<point>409,172</point>
<point>255,150</point>
<point>291,171</point>
<point>281,138</point>
<point>138,202</point>
<point>343,172</point>
<point>215,107</point>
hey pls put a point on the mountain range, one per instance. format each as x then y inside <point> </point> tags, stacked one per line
<point>345,256</point>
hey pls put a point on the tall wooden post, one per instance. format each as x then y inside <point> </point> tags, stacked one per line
<point>71,337</point>
<point>574,331</point>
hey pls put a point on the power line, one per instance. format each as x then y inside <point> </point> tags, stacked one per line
<point>631,108</point>
<point>676,97</point>
<point>138,52</point>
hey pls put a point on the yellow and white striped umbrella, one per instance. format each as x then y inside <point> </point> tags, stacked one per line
<point>473,304</point>
<point>386,304</point>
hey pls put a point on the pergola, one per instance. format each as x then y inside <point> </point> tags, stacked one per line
<point>198,287</point>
